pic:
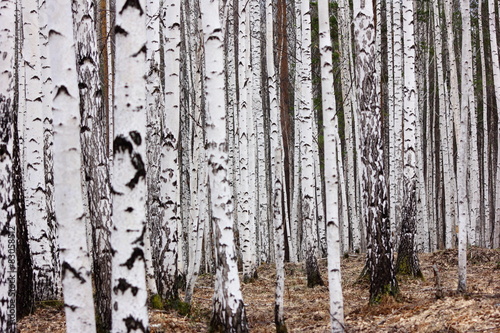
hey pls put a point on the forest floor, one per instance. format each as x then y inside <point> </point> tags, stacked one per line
<point>306,309</point>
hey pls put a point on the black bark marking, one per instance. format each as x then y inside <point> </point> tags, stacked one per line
<point>143,49</point>
<point>129,210</point>
<point>140,239</point>
<point>136,137</point>
<point>62,89</point>
<point>72,307</point>
<point>138,164</point>
<point>68,267</point>
<point>120,30</point>
<point>121,144</point>
<point>53,32</point>
<point>133,4</point>
<point>123,286</point>
<point>137,254</point>
<point>133,324</point>
<point>82,85</point>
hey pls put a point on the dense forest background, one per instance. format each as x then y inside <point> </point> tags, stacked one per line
<point>144,143</point>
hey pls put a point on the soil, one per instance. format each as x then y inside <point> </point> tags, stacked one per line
<point>306,309</point>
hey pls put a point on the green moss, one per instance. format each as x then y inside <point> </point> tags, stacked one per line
<point>156,302</point>
<point>182,308</point>
<point>387,291</point>
<point>53,303</point>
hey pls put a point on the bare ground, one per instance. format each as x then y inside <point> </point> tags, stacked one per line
<point>306,309</point>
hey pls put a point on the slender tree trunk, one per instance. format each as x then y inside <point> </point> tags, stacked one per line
<point>246,133</point>
<point>331,172</point>
<point>407,262</point>
<point>94,151</point>
<point>306,117</point>
<point>276,173</point>
<point>375,211</point>
<point>8,258</point>
<point>42,235</point>
<point>494,239</point>
<point>169,152</point>
<point>228,308</point>
<point>155,109</point>
<point>129,294</point>
<point>75,261</point>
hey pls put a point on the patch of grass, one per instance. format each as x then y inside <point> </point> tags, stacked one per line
<point>53,303</point>
<point>156,302</point>
<point>182,308</point>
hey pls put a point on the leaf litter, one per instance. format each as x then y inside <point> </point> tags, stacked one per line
<point>306,309</point>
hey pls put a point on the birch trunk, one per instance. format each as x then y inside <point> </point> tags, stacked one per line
<point>75,261</point>
<point>467,103</point>
<point>129,294</point>
<point>94,151</point>
<point>24,297</point>
<point>262,197</point>
<point>494,240</point>
<point>376,214</point>
<point>155,109</point>
<point>42,235</point>
<point>8,258</point>
<point>245,216</point>
<point>407,262</point>
<point>331,172</point>
<point>228,308</point>
<point>276,172</point>
<point>306,118</point>
<point>169,151</point>
<point>485,188</point>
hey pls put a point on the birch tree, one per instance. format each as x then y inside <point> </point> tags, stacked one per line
<point>308,187</point>
<point>375,206</point>
<point>75,261</point>
<point>331,172</point>
<point>94,151</point>
<point>129,294</point>
<point>467,106</point>
<point>407,262</point>
<point>155,109</point>
<point>8,258</point>
<point>228,308</point>
<point>494,240</point>
<point>42,235</point>
<point>169,175</point>
<point>276,172</point>
<point>246,134</point>
<point>25,297</point>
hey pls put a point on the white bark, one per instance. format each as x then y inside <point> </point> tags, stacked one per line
<point>331,172</point>
<point>155,110</point>
<point>446,135</point>
<point>261,204</point>
<point>198,213</point>
<point>94,152</point>
<point>8,258</point>
<point>276,170</point>
<point>491,239</point>
<point>245,201</point>
<point>169,175</point>
<point>352,166</point>
<point>396,128</point>
<point>486,142</point>
<point>40,233</point>
<point>306,118</point>
<point>129,294</point>
<point>229,311</point>
<point>75,261</point>
<point>467,103</point>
